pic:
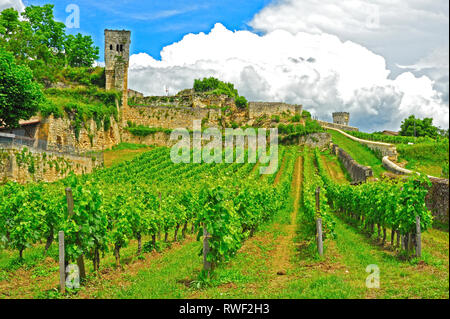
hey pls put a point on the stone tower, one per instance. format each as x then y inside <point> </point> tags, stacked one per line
<point>117,57</point>
<point>341,118</point>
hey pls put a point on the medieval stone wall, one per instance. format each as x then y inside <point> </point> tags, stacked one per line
<point>258,109</point>
<point>358,172</point>
<point>194,100</point>
<point>26,165</point>
<point>60,135</point>
<point>320,140</point>
<point>437,199</point>
<point>158,139</point>
<point>172,117</point>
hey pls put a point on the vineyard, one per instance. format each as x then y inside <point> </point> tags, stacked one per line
<point>143,223</point>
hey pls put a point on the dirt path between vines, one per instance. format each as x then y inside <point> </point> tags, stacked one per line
<point>280,171</point>
<point>333,170</point>
<point>266,256</point>
<point>281,259</point>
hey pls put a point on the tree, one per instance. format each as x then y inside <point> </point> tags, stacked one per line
<point>15,35</point>
<point>80,50</point>
<point>215,86</point>
<point>413,126</point>
<point>443,132</point>
<point>40,42</point>
<point>241,102</point>
<point>47,32</point>
<point>20,95</point>
<point>46,46</point>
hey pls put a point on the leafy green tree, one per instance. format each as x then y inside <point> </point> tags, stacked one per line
<point>413,126</point>
<point>47,32</point>
<point>9,23</point>
<point>215,86</point>
<point>241,102</point>
<point>40,42</point>
<point>46,47</point>
<point>80,50</point>
<point>20,95</point>
<point>15,35</point>
<point>443,132</point>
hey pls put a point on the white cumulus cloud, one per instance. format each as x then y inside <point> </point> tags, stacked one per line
<point>319,71</point>
<point>16,4</point>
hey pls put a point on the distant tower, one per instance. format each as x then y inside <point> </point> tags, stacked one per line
<point>341,118</point>
<point>117,57</point>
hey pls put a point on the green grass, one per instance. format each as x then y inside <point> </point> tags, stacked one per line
<point>358,152</point>
<point>164,279</point>
<point>398,278</point>
<point>429,158</point>
<point>341,174</point>
<point>123,152</point>
<point>128,146</point>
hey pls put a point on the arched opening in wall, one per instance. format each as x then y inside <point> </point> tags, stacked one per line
<point>111,47</point>
<point>121,48</point>
<point>118,48</point>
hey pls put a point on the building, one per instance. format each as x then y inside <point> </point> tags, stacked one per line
<point>27,129</point>
<point>341,118</point>
<point>117,58</point>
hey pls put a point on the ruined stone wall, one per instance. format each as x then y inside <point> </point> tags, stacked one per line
<point>60,135</point>
<point>26,165</point>
<point>172,117</point>
<point>437,199</point>
<point>195,100</point>
<point>258,109</point>
<point>134,94</point>
<point>158,139</point>
<point>320,140</point>
<point>358,172</point>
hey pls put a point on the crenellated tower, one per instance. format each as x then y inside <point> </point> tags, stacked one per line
<point>342,118</point>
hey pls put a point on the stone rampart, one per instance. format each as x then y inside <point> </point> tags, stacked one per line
<point>357,172</point>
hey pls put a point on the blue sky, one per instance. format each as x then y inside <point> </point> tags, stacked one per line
<point>156,23</point>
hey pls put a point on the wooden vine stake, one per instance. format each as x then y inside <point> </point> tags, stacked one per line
<point>319,236</point>
<point>319,224</point>
<point>418,238</point>
<point>62,263</point>
<point>206,249</point>
<point>80,260</point>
